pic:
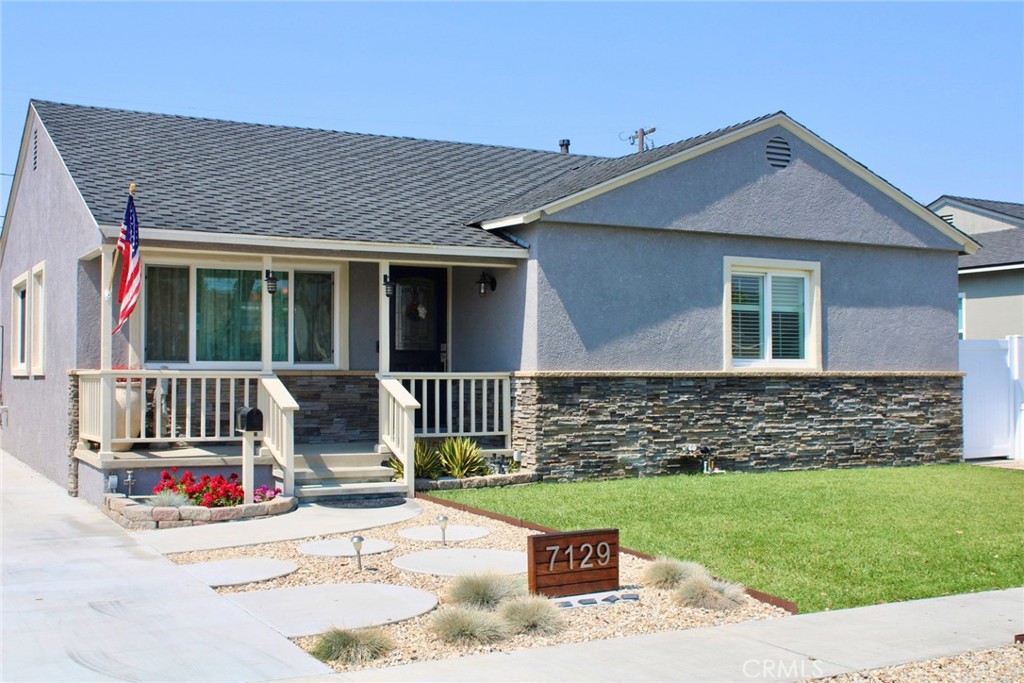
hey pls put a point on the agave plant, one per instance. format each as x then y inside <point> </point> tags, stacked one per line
<point>462,458</point>
<point>428,462</point>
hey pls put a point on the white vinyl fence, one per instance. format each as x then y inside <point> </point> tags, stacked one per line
<point>993,397</point>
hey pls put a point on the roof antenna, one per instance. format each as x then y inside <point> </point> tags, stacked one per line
<point>637,138</point>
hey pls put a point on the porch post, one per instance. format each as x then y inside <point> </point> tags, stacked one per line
<point>267,324</point>
<point>106,406</point>
<point>383,350</point>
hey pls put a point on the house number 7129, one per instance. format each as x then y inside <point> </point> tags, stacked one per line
<point>587,552</point>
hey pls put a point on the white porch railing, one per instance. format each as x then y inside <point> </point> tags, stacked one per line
<point>279,410</point>
<point>397,411</point>
<point>475,405</point>
<point>118,408</point>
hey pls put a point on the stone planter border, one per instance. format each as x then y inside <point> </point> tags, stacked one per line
<point>488,481</point>
<point>137,516</point>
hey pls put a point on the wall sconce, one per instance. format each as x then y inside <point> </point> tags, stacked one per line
<point>486,281</point>
<point>271,282</point>
<point>389,286</point>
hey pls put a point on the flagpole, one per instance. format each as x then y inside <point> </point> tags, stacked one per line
<point>113,266</point>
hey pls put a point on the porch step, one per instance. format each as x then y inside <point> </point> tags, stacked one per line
<point>323,461</point>
<point>373,473</point>
<point>381,489</point>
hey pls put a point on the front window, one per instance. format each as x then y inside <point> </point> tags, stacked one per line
<point>225,325</point>
<point>768,313</point>
<point>960,316</point>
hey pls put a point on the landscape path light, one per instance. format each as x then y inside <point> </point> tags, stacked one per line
<point>442,521</point>
<point>357,543</point>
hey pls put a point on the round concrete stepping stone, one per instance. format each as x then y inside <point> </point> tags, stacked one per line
<point>343,548</point>
<point>453,533</point>
<point>308,610</point>
<point>237,572</point>
<point>456,561</point>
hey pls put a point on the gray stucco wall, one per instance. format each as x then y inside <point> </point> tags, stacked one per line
<point>487,332</point>
<point>362,322</point>
<point>651,300</point>
<point>48,222</point>
<point>733,190</point>
<point>993,304</point>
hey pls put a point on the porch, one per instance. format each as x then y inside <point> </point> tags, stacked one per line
<point>151,420</point>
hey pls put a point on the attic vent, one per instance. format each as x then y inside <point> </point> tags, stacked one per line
<point>948,217</point>
<point>778,153</point>
<point>35,149</point>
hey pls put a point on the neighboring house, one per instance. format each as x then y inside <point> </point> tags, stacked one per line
<point>753,289</point>
<point>991,281</point>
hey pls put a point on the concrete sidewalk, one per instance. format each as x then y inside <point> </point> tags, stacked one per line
<point>787,649</point>
<point>84,601</point>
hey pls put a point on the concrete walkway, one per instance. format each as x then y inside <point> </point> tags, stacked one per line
<point>84,601</point>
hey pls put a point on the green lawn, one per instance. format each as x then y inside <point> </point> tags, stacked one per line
<point>823,539</point>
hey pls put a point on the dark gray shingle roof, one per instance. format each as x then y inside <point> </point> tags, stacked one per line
<point>595,172</point>
<point>998,248</point>
<point>240,178</point>
<point>1011,209</point>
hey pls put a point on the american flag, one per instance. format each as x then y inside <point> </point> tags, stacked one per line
<point>131,268</point>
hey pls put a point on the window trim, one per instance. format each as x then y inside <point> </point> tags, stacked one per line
<point>961,318</point>
<point>339,270</point>
<point>811,272</point>
<point>37,311</point>
<point>21,326</point>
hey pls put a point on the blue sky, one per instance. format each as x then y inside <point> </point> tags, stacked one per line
<point>928,95</point>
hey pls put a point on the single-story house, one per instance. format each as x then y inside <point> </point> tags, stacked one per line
<point>752,290</point>
<point>991,289</point>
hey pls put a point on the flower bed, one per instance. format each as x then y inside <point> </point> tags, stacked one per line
<point>137,516</point>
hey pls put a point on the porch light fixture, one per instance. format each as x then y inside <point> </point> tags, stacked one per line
<point>486,280</point>
<point>389,286</point>
<point>271,282</point>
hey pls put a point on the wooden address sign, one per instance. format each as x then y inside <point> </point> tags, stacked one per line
<point>574,562</point>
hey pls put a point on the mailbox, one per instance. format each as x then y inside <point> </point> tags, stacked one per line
<point>249,419</point>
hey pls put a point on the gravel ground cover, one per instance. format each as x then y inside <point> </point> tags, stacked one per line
<point>1000,665</point>
<point>654,612</point>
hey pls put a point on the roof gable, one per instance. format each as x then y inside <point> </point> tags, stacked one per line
<point>991,212</point>
<point>600,177</point>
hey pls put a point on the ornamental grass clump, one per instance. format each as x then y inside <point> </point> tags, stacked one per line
<point>706,593</point>
<point>167,498</point>
<point>428,462</point>
<point>532,614</point>
<point>668,573</point>
<point>356,646</point>
<point>468,626</point>
<point>484,591</point>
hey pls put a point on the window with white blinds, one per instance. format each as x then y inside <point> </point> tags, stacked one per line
<point>769,314</point>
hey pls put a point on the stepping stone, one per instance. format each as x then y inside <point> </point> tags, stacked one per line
<point>237,572</point>
<point>453,533</point>
<point>343,548</point>
<point>308,610</point>
<point>456,561</point>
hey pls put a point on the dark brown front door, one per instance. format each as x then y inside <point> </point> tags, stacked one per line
<point>419,319</point>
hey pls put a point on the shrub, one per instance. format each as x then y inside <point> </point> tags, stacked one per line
<point>466,625</point>
<point>428,462</point>
<point>352,646</point>
<point>169,499</point>
<point>667,572</point>
<point>483,590</point>
<point>462,458</point>
<point>707,593</point>
<point>532,614</point>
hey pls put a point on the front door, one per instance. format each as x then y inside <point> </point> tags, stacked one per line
<point>419,319</point>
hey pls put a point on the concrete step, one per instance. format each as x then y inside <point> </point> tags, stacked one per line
<point>309,492</point>
<point>339,474</point>
<point>328,460</point>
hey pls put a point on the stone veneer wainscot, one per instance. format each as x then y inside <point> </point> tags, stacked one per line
<point>580,425</point>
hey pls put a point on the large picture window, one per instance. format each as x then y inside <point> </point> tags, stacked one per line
<point>771,313</point>
<point>214,315</point>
